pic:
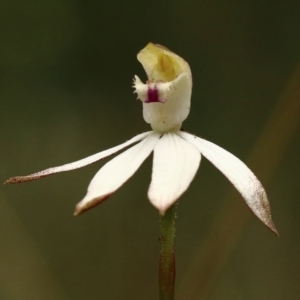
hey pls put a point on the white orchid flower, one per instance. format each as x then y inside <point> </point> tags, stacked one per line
<point>166,98</point>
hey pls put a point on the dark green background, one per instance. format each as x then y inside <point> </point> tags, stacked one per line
<point>66,70</point>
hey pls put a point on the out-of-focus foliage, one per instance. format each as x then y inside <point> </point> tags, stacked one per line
<point>66,71</point>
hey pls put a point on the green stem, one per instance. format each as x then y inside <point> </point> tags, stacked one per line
<point>167,257</point>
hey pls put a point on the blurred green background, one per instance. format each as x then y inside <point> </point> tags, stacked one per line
<point>66,70</point>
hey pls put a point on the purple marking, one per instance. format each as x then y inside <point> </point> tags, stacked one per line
<point>153,95</point>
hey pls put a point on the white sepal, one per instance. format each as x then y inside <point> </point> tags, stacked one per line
<point>239,175</point>
<point>175,164</point>
<point>79,163</point>
<point>116,172</point>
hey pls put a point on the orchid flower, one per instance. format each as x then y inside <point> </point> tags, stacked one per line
<point>166,98</point>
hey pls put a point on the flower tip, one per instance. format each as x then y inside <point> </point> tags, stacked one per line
<point>85,205</point>
<point>272,227</point>
<point>262,210</point>
<point>76,212</point>
<point>21,179</point>
<point>13,180</point>
<point>264,215</point>
<point>80,208</point>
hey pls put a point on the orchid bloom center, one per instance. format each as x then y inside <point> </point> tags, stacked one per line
<point>166,96</point>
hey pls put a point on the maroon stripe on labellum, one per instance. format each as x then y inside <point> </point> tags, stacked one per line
<point>152,95</point>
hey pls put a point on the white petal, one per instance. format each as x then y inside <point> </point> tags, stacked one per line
<point>116,172</point>
<point>175,164</point>
<point>240,176</point>
<point>79,163</point>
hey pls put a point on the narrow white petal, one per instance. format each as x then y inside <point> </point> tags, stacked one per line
<point>116,172</point>
<point>79,163</point>
<point>240,176</point>
<point>175,164</point>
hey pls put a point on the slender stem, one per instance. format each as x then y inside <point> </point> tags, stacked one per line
<point>167,257</point>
